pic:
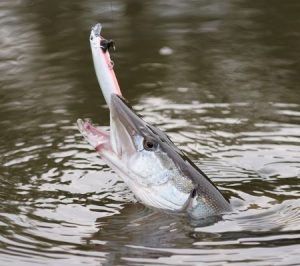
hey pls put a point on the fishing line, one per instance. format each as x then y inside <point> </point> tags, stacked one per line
<point>111,12</point>
<point>111,42</point>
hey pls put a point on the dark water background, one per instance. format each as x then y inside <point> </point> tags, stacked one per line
<point>220,77</point>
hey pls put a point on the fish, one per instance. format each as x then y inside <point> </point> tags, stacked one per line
<point>158,173</point>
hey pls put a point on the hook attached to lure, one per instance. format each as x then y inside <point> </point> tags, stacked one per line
<point>107,44</point>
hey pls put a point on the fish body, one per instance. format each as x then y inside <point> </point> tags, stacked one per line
<point>157,172</point>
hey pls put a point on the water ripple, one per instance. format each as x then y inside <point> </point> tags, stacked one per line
<point>227,96</point>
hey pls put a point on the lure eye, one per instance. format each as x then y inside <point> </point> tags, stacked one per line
<point>149,144</point>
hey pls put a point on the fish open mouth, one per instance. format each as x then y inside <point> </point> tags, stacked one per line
<point>116,146</point>
<point>123,126</point>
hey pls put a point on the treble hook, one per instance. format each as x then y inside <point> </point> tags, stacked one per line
<point>107,44</point>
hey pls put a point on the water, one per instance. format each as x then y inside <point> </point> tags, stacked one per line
<point>221,78</point>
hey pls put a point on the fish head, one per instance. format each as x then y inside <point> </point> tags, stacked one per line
<point>151,165</point>
<point>140,146</point>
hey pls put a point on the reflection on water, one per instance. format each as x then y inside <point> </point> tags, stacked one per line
<point>227,94</point>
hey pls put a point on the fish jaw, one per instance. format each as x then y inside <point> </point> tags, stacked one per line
<point>100,140</point>
<point>96,137</point>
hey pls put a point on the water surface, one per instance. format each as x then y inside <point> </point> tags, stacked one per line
<point>221,78</point>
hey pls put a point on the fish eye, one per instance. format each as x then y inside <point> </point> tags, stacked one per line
<point>149,144</point>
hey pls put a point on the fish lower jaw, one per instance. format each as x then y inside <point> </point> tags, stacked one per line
<point>96,137</point>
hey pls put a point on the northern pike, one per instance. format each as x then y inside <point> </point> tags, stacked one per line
<point>158,173</point>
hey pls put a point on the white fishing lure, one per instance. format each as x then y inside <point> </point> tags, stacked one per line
<point>103,64</point>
